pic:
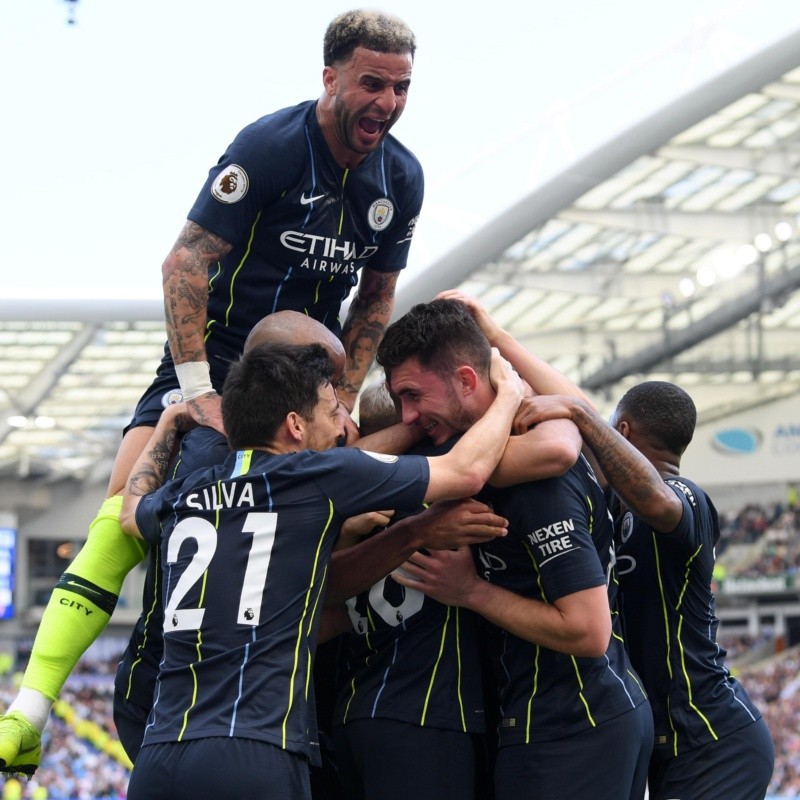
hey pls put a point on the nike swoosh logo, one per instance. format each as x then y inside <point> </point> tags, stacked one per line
<point>304,201</point>
<point>86,588</point>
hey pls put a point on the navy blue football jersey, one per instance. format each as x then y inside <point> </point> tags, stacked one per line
<point>135,679</point>
<point>411,658</point>
<point>301,226</point>
<point>560,541</point>
<point>668,610</point>
<point>244,550</point>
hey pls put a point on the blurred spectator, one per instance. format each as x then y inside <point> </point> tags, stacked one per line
<point>73,768</point>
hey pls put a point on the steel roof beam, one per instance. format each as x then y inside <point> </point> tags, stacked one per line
<point>673,342</point>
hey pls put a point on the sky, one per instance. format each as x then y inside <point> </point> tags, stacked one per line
<point>110,124</point>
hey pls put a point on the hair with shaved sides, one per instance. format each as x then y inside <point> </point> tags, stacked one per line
<point>442,335</point>
<point>265,384</point>
<point>368,28</point>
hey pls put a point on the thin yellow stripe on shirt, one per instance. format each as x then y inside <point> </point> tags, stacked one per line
<point>341,212</point>
<point>663,601</point>
<point>211,280</point>
<point>438,661</point>
<point>458,661</point>
<point>143,646</point>
<point>309,659</point>
<point>686,575</point>
<point>198,646</point>
<point>689,685</point>
<point>370,626</point>
<point>665,614</point>
<point>240,265</point>
<point>534,692</point>
<point>299,641</point>
<point>535,686</point>
<point>580,692</point>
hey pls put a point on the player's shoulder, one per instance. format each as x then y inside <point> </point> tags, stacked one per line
<point>397,150</point>
<point>334,458</point>
<point>283,118</point>
<point>702,514</point>
<point>687,488</point>
<point>279,130</point>
<point>200,448</point>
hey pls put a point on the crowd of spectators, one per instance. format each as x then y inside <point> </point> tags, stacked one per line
<point>774,687</point>
<point>773,534</point>
<point>75,764</point>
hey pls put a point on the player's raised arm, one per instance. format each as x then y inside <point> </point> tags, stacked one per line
<point>466,468</point>
<point>368,315</point>
<point>150,469</point>
<point>542,377</point>
<point>185,280</point>
<point>632,476</point>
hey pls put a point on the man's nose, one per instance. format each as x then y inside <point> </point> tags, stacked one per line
<point>410,414</point>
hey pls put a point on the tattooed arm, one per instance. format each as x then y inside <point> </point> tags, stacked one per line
<point>363,329</point>
<point>632,476</point>
<point>185,280</point>
<point>150,469</point>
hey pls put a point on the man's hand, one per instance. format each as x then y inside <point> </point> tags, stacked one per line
<point>544,407</point>
<point>452,523</point>
<point>448,576</point>
<point>490,328</point>
<point>207,410</point>
<point>356,528</point>
<point>502,374</point>
<point>446,524</point>
<point>180,415</point>
<point>351,431</point>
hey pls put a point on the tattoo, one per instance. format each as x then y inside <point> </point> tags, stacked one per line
<point>154,470</point>
<point>373,302</point>
<point>625,468</point>
<point>198,413</point>
<point>368,317</point>
<point>185,279</point>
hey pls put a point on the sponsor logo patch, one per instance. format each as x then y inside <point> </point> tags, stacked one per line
<point>230,185</point>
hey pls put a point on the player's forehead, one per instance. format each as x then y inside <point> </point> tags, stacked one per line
<point>411,377</point>
<point>389,67</point>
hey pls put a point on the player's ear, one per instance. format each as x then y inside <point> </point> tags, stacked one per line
<point>467,379</point>
<point>329,77</point>
<point>295,427</point>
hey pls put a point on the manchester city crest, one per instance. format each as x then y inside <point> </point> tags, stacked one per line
<point>171,397</point>
<point>380,214</point>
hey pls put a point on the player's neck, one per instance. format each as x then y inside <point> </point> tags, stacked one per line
<point>342,154</point>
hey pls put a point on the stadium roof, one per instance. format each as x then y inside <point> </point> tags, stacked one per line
<point>672,252</point>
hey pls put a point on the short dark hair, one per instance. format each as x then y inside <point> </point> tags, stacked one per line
<point>441,335</point>
<point>268,382</point>
<point>664,411</point>
<point>371,29</point>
